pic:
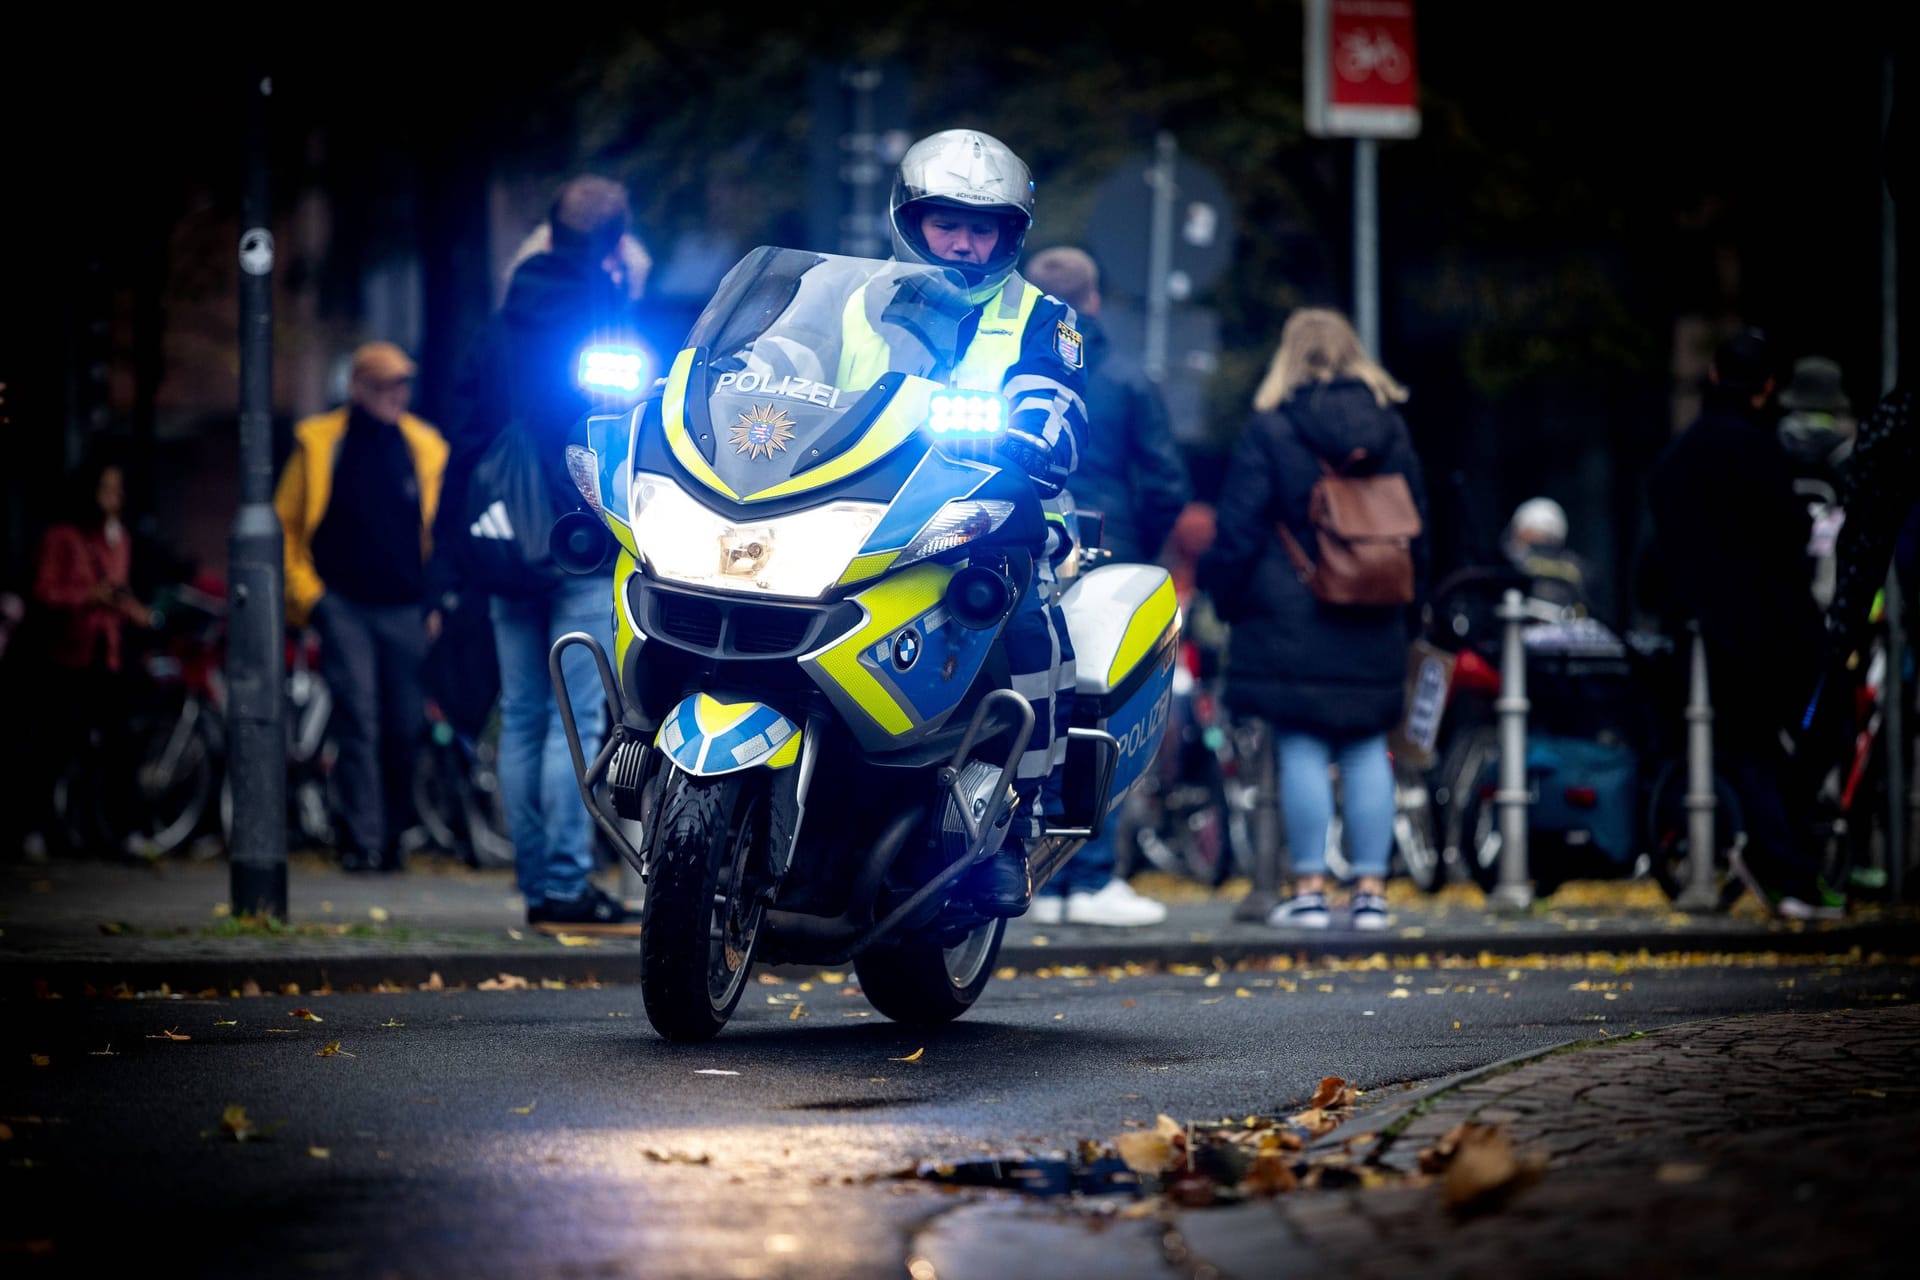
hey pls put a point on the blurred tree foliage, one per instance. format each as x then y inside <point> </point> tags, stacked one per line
<point>695,102</point>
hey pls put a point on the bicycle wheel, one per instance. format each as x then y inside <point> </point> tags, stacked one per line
<point>1669,839</point>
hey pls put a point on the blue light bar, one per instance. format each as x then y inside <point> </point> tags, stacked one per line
<point>967,413</point>
<point>617,369</point>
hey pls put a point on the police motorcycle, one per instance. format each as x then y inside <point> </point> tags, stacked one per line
<point>814,558</point>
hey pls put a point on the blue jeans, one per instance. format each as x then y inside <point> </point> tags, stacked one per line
<point>552,832</point>
<point>1306,801</point>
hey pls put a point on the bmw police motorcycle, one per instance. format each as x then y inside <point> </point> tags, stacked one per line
<point>814,557</point>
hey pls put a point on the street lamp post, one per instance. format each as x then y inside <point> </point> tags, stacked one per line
<point>256,732</point>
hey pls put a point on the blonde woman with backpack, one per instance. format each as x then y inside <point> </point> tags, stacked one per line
<point>1319,565</point>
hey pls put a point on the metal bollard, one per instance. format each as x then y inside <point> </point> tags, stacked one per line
<point>1515,890</point>
<point>1700,893</point>
<point>1265,891</point>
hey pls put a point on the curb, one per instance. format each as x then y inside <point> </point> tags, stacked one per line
<point>25,976</point>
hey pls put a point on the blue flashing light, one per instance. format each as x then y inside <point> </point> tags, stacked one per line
<point>967,413</point>
<point>613,369</point>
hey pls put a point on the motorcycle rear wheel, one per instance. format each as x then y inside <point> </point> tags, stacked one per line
<point>704,904</point>
<point>922,982</point>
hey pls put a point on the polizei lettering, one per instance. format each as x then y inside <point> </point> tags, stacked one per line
<point>750,383</point>
<point>1147,729</point>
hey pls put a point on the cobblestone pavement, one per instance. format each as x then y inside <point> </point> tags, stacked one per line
<point>1782,1144</point>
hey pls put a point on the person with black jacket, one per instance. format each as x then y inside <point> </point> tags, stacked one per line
<point>1729,543</point>
<point>1329,680</point>
<point>573,286</point>
<point>1136,479</point>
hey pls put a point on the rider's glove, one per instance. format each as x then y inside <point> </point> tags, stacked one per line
<point>1033,457</point>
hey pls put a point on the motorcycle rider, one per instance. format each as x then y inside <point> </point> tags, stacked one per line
<point>962,198</point>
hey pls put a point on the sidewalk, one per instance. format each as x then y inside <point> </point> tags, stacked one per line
<point>1780,1144</point>
<point>70,925</point>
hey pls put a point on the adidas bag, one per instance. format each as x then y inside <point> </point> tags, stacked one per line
<point>503,510</point>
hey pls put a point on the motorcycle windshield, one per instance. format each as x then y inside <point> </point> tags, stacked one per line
<point>805,368</point>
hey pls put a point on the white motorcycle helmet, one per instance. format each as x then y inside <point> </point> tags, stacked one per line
<point>971,171</point>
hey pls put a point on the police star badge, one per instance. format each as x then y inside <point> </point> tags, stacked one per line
<point>1067,342</point>
<point>761,430</point>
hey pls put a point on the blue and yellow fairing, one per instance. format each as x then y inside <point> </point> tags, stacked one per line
<point>706,737</point>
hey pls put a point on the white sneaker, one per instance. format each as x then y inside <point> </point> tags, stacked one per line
<point>1115,903</point>
<point>1301,911</point>
<point>1046,908</point>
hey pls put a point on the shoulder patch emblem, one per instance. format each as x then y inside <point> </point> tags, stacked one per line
<point>1066,341</point>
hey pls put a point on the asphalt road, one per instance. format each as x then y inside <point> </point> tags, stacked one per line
<point>545,1132</point>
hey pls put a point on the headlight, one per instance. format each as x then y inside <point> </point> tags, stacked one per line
<point>800,556</point>
<point>955,524</point>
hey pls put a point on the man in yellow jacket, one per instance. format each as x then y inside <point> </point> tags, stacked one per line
<point>356,501</point>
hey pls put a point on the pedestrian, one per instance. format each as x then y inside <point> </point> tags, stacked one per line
<point>1816,432</point>
<point>1535,543</point>
<point>356,500</point>
<point>1730,538</point>
<point>575,282</point>
<point>1328,679</point>
<point>963,199</point>
<point>82,588</point>
<point>1137,484</point>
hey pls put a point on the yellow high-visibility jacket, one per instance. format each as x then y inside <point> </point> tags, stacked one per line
<point>307,483</point>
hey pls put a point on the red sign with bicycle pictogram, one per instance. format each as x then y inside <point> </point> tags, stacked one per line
<point>1362,77</point>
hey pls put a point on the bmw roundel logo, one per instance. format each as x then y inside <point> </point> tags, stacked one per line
<point>906,649</point>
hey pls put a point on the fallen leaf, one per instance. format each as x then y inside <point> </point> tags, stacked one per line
<point>234,1123</point>
<point>103,1053</point>
<point>1479,1168</point>
<point>912,1057</point>
<point>433,982</point>
<point>714,1071</point>
<point>833,979</point>
<point>1270,1176</point>
<point>41,1059</point>
<point>234,1022</point>
<point>528,1109</point>
<point>1211,980</point>
<point>379,915</point>
<point>172,1034</point>
<point>1213,1000</point>
<point>575,940</point>
<point>6,1133</point>
<point>1147,1153</point>
<point>504,982</point>
<point>307,1014</point>
<point>1676,1172</point>
<point>1127,1004</point>
<point>391,1023</point>
<point>799,1012</point>
<point>320,1153</point>
<point>1333,1092</point>
<point>332,1049</point>
<point>1242,992</point>
<point>676,1157</point>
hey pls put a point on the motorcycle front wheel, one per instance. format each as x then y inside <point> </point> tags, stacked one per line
<point>705,903</point>
<point>920,981</point>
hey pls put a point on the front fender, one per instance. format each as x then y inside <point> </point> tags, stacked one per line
<point>706,737</point>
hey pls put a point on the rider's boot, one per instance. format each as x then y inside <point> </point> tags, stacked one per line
<point>1001,885</point>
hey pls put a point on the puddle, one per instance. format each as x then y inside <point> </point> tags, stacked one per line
<point>1038,1175</point>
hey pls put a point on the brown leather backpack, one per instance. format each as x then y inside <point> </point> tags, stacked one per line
<point>1364,529</point>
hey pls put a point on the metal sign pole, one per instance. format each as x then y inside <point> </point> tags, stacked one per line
<point>1366,244</point>
<point>1515,890</point>
<point>1160,253</point>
